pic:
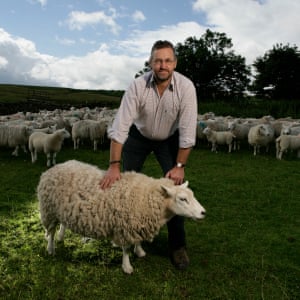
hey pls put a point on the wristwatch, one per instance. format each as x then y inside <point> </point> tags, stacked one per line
<point>180,165</point>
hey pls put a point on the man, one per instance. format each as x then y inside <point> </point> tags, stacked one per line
<point>158,113</point>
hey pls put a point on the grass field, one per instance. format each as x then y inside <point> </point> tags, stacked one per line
<point>248,246</point>
<point>18,94</point>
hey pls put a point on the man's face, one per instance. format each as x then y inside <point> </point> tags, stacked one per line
<point>163,64</point>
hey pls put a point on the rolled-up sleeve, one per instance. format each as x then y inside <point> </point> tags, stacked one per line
<point>125,116</point>
<point>188,115</point>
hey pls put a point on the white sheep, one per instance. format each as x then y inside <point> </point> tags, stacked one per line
<point>50,144</point>
<point>88,129</point>
<point>15,136</point>
<point>200,136</point>
<point>49,129</point>
<point>219,138</point>
<point>290,129</point>
<point>131,211</point>
<point>260,135</point>
<point>240,131</point>
<point>287,142</point>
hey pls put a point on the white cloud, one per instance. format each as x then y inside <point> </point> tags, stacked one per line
<point>3,62</point>
<point>96,70</point>
<point>138,16</point>
<point>77,20</point>
<point>64,41</point>
<point>253,26</point>
<point>140,42</point>
<point>20,56</point>
<point>20,63</point>
<point>43,3</point>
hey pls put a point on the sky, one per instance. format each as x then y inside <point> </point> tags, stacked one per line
<point>102,44</point>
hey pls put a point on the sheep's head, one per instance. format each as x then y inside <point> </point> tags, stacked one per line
<point>183,202</point>
<point>264,130</point>
<point>206,130</point>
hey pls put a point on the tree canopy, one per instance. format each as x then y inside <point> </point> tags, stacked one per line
<point>278,73</point>
<point>215,69</point>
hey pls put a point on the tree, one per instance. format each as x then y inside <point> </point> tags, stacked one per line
<point>215,70</point>
<point>144,70</point>
<point>278,73</point>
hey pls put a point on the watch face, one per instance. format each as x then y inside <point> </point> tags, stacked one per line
<point>179,165</point>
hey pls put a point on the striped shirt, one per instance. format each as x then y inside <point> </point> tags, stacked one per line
<point>157,118</point>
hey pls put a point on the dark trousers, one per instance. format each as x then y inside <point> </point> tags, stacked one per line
<point>135,151</point>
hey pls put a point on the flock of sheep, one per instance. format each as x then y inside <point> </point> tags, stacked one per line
<point>264,132</point>
<point>45,131</point>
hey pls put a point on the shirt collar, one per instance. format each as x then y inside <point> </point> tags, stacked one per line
<point>151,81</point>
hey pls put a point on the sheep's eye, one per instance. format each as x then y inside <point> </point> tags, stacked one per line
<point>183,199</point>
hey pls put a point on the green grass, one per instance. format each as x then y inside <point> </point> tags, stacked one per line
<point>248,246</point>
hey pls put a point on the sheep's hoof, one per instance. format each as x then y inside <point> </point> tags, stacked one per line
<point>139,251</point>
<point>128,269</point>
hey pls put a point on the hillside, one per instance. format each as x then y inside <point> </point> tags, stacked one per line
<point>14,98</point>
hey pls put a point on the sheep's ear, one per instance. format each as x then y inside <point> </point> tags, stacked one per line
<point>185,184</point>
<point>166,190</point>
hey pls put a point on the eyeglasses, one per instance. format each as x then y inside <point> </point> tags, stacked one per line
<point>167,61</point>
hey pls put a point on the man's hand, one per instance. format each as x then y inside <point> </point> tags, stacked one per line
<point>176,174</point>
<point>112,175</point>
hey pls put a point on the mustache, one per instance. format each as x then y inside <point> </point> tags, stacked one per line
<point>163,69</point>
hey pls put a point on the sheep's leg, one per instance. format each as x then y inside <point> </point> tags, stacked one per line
<point>280,154</point>
<point>254,150</point>
<point>126,265</point>
<point>76,143</point>
<point>95,145</point>
<point>35,155</point>
<point>214,147</point>
<point>48,159</point>
<point>16,151</point>
<point>139,251</point>
<point>32,156</point>
<point>61,232</point>
<point>54,159</point>
<point>229,148</point>
<point>24,148</point>
<point>277,150</point>
<point>234,145</point>
<point>51,243</point>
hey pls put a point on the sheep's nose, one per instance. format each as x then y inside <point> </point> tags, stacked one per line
<point>203,213</point>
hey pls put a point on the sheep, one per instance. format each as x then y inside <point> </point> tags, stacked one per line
<point>200,136</point>
<point>48,143</point>
<point>49,129</point>
<point>15,136</point>
<point>290,129</point>
<point>88,129</point>
<point>287,142</point>
<point>132,211</point>
<point>260,135</point>
<point>240,131</point>
<point>219,138</point>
